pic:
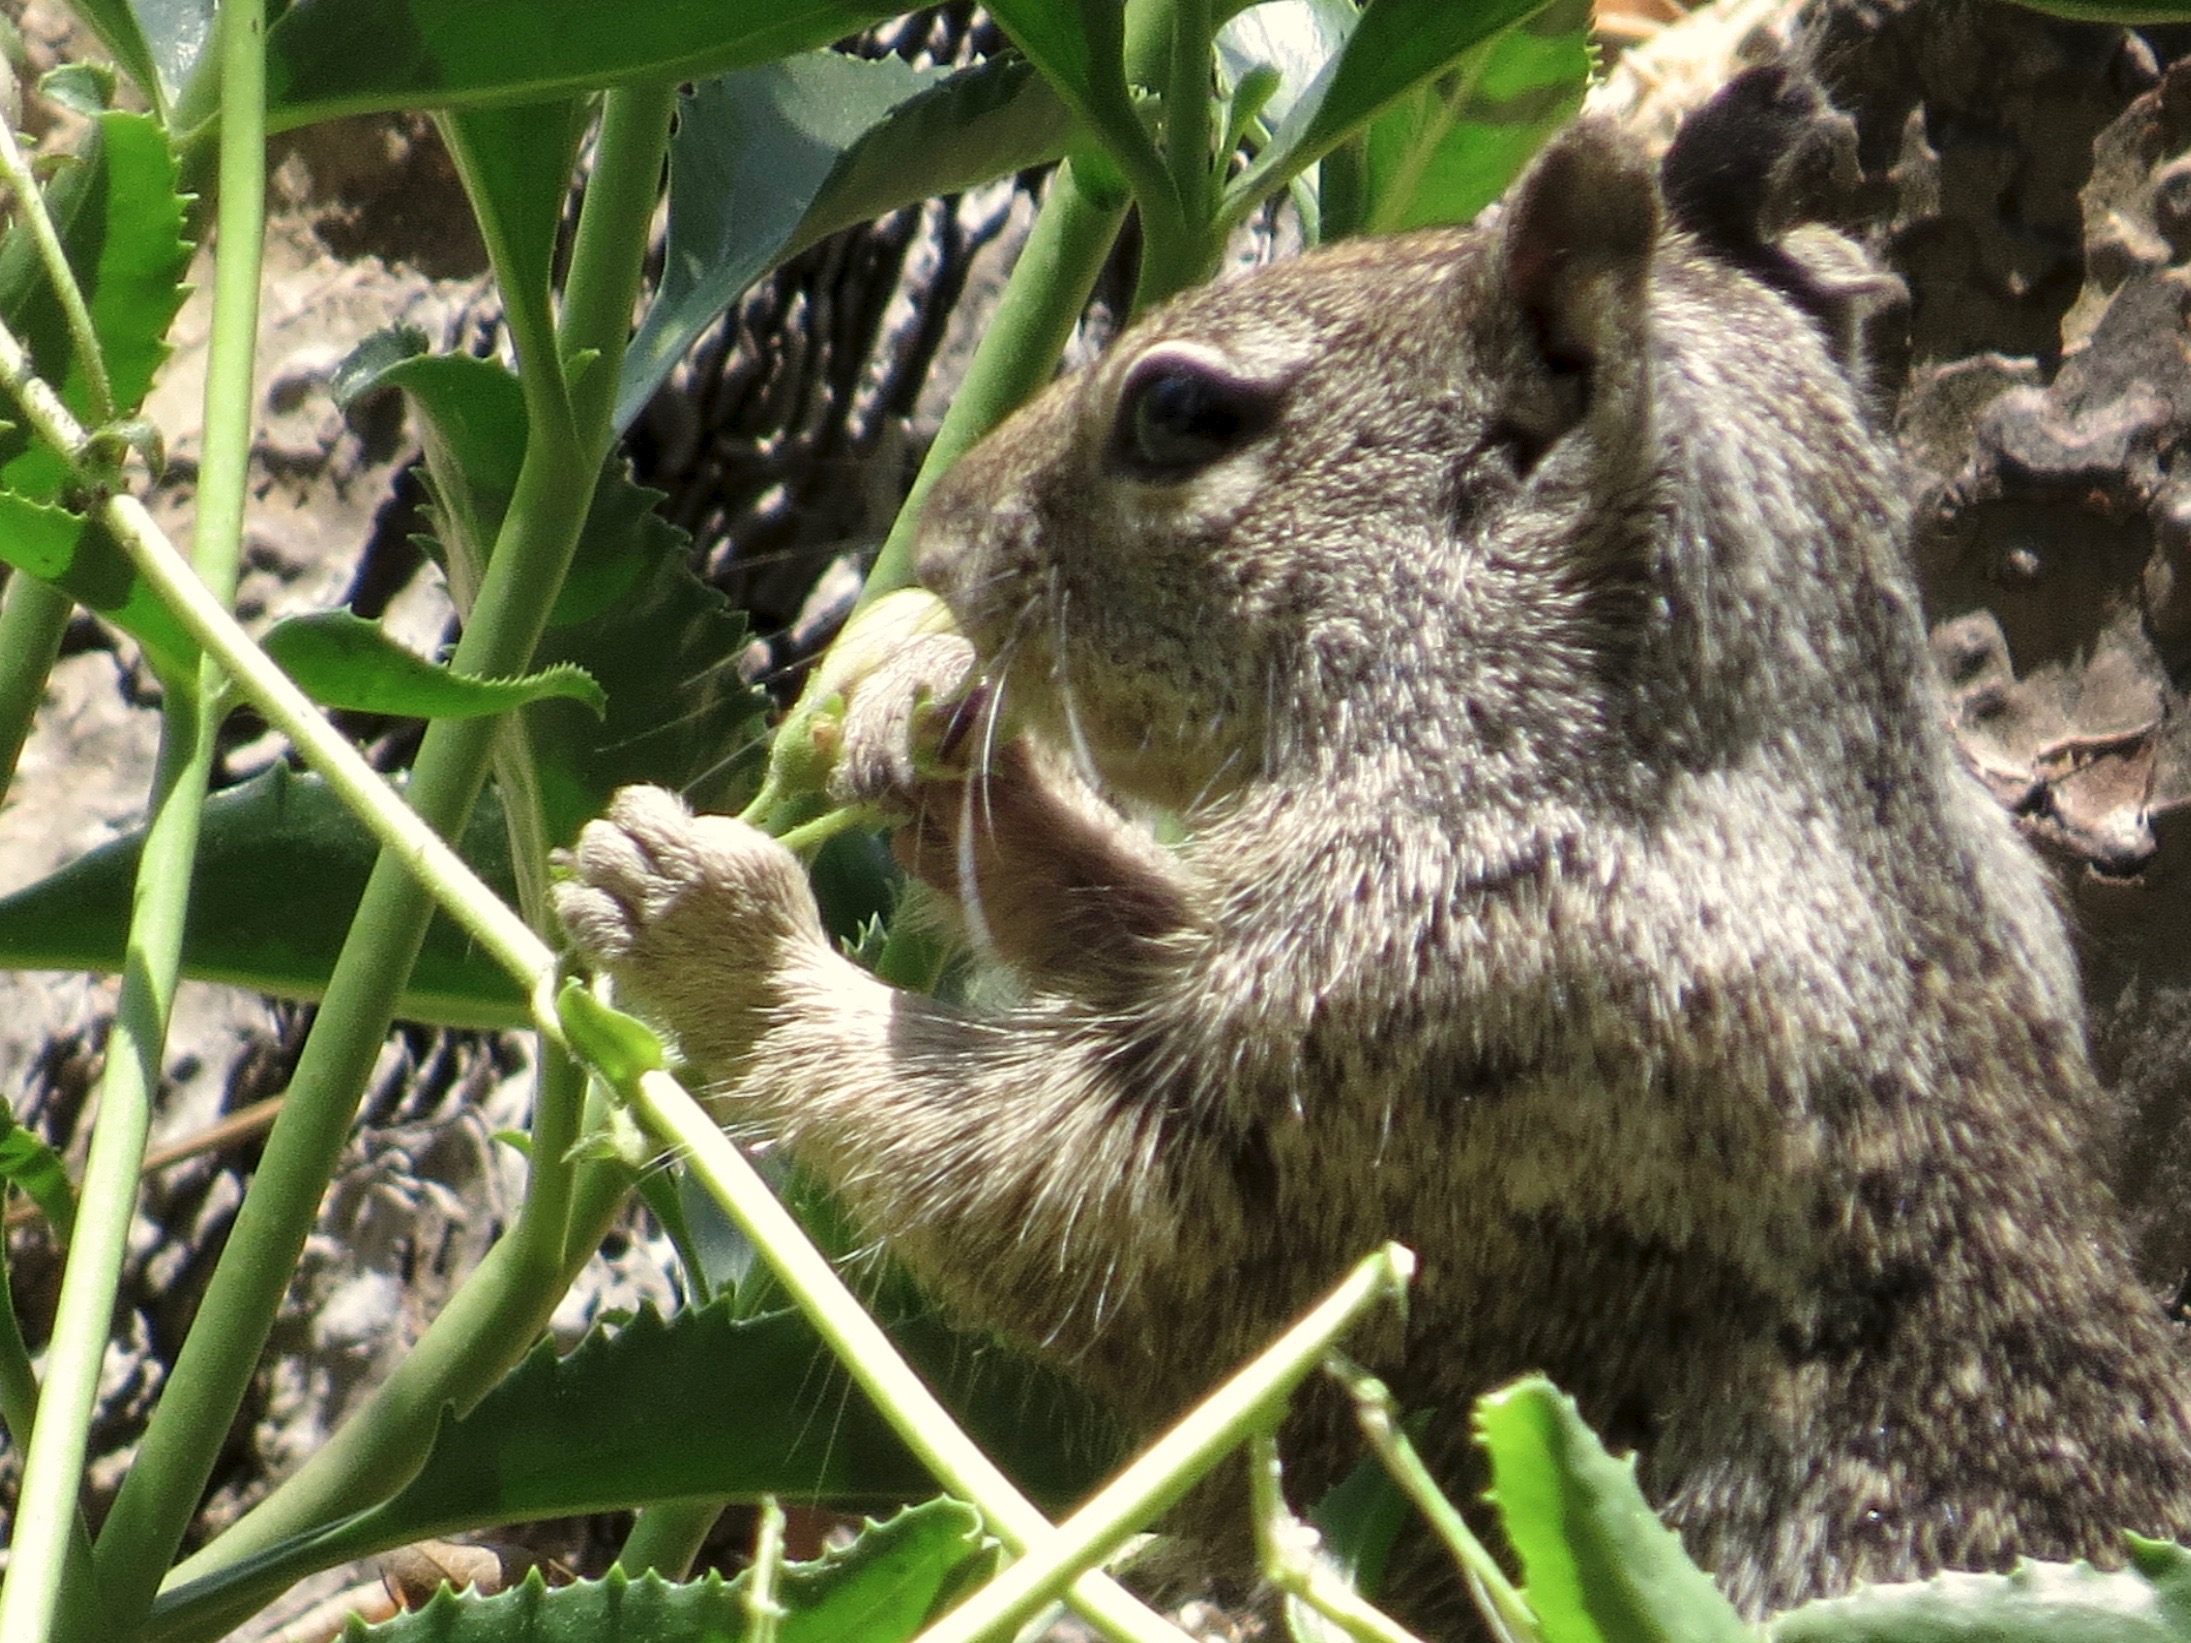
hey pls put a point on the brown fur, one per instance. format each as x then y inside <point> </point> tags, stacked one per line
<point>1578,886</point>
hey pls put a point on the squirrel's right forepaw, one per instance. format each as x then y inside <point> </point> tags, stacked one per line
<point>696,915</point>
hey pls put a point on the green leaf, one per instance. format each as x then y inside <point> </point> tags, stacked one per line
<point>121,223</point>
<point>81,558</point>
<point>622,1047</point>
<point>516,164</point>
<point>1599,1566</point>
<point>881,1589</point>
<point>1079,45</point>
<point>1451,147</point>
<point>81,88</point>
<point>766,162</point>
<point>274,830</point>
<point>471,415</point>
<point>662,644</point>
<point>115,23</point>
<point>1394,46</point>
<point>703,1407</point>
<point>332,57</point>
<point>342,660</point>
<point>27,1162</point>
<point>2149,1602</point>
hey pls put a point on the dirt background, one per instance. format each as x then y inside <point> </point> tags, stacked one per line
<point>2030,179</point>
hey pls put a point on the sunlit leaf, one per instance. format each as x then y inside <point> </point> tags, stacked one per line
<point>121,224</point>
<point>81,557</point>
<point>1599,1567</point>
<point>344,661</point>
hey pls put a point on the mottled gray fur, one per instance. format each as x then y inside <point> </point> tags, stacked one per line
<point>1579,886</point>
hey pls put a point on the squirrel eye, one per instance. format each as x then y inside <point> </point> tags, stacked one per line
<point>1178,414</point>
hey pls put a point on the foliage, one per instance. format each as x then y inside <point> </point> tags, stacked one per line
<point>421,898</point>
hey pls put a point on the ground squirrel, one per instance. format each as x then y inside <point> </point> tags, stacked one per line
<point>1577,884</point>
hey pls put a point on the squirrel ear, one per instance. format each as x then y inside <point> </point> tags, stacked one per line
<point>1575,249</point>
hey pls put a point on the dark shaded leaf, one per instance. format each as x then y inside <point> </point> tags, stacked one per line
<point>331,57</point>
<point>703,1407</point>
<point>764,163</point>
<point>115,22</point>
<point>274,830</point>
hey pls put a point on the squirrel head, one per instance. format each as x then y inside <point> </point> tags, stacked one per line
<point>1388,487</point>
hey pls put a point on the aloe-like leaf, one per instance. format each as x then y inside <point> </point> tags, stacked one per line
<point>331,57</point>
<point>342,660</point>
<point>880,1589</point>
<point>121,222</point>
<point>1599,1566</point>
<point>705,1406</point>
<point>766,162</point>
<point>1394,46</point>
<point>281,829</point>
<point>81,557</point>
<point>28,1163</point>
<point>1450,147</point>
<point>2149,1602</point>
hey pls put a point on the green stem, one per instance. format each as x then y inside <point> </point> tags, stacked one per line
<point>523,574</point>
<point>31,201</point>
<point>1286,1551</point>
<point>487,1326</point>
<point>1506,1609</point>
<point>54,1457</point>
<point>667,1538</point>
<point>608,250</point>
<point>33,617</point>
<point>1018,353</point>
<point>1187,119</point>
<point>671,1113</point>
<point>1161,1474</point>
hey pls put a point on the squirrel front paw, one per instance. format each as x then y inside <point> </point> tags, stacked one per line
<point>698,918</point>
<point>903,719</point>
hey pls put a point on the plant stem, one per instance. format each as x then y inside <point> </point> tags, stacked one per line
<point>667,1538</point>
<point>33,617</point>
<point>1286,1551</point>
<point>925,1426</point>
<point>501,1311</point>
<point>763,1612</point>
<point>31,201</point>
<point>1156,1478</point>
<point>608,250</point>
<point>54,1457</point>
<point>1506,1610</point>
<point>1018,353</point>
<point>1187,111</point>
